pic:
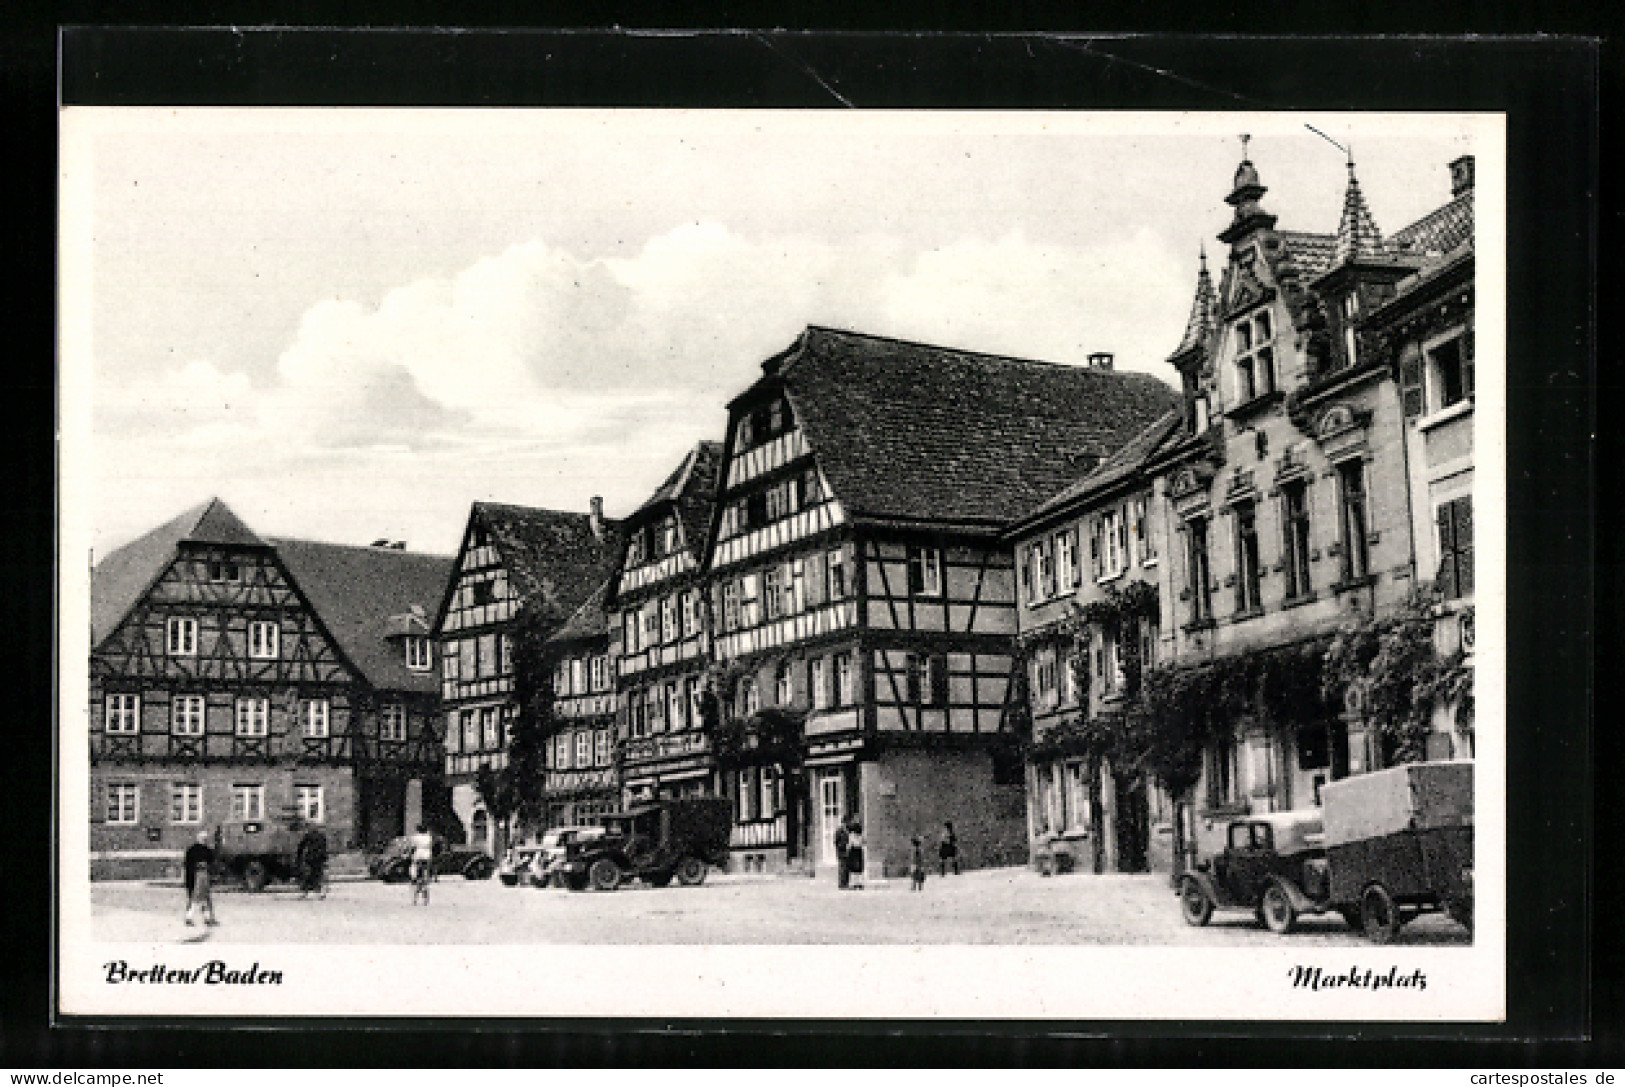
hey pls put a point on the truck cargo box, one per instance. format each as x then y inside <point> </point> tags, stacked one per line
<point>1417,796</point>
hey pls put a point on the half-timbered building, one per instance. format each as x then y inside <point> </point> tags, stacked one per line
<point>863,598</point>
<point>581,781</point>
<point>1090,562</point>
<point>1285,488</point>
<point>660,634</point>
<point>236,679</point>
<point>515,564</point>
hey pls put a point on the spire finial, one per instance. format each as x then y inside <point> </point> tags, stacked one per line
<point>1245,138</point>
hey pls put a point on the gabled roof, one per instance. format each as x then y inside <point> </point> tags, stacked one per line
<point>1114,469</point>
<point>912,432</point>
<point>554,559</point>
<point>120,579</point>
<point>362,596</point>
<point>1439,232</point>
<point>588,622</point>
<point>692,488</point>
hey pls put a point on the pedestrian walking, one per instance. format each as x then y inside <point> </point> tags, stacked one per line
<point>948,851</point>
<point>311,859</point>
<point>422,864</point>
<point>854,855</point>
<point>199,899</point>
<point>916,870</point>
<point>843,839</point>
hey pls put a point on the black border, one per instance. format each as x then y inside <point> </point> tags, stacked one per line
<point>1549,89</point>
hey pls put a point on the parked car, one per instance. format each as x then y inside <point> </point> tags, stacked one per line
<point>1272,865</point>
<point>516,866</point>
<point>259,851</point>
<point>394,863</point>
<point>548,866</point>
<point>1386,847</point>
<point>655,843</point>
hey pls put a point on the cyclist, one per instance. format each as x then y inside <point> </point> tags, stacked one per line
<point>422,864</point>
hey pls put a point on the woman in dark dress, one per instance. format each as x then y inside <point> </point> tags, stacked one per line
<point>854,856</point>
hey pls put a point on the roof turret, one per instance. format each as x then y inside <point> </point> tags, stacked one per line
<point>1246,191</point>
<point>1357,235</point>
<point>1203,307</point>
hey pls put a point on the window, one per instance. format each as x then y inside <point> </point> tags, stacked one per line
<point>123,802</point>
<point>668,619</point>
<point>1066,676</point>
<point>835,570</point>
<point>488,728</point>
<point>1113,537</point>
<point>453,735</point>
<point>186,715</point>
<point>1247,568</point>
<point>812,487</point>
<point>418,657</point>
<point>307,800</point>
<point>1066,560</point>
<point>748,699</point>
<point>770,792</point>
<point>676,707</point>
<point>1455,521</point>
<point>603,749</point>
<point>578,675</point>
<point>1350,311</point>
<point>1220,764</point>
<point>225,571</point>
<point>1029,573</point>
<point>691,617</point>
<point>449,660</point>
<point>1200,413</point>
<point>561,677</point>
<point>749,606</point>
<point>1255,357</point>
<point>561,751</point>
<point>1200,587</point>
<point>471,731</point>
<point>253,716</point>
<point>772,597</point>
<point>123,713</point>
<point>927,679</point>
<point>1449,375</point>
<point>629,632</point>
<point>1145,547</point>
<point>1110,661</point>
<point>783,688</point>
<point>484,592</point>
<point>185,802</point>
<point>583,749</point>
<point>599,673</point>
<point>730,605</point>
<point>468,651</point>
<point>845,690</point>
<point>488,655</point>
<point>1351,490</point>
<point>1044,568</point>
<point>1295,508</point>
<point>181,636</point>
<point>668,536</point>
<point>392,722</point>
<point>925,571</point>
<point>818,683</point>
<point>694,692</point>
<point>262,640</point>
<point>1043,677</point>
<point>247,803</point>
<point>504,654</point>
<point>789,588</point>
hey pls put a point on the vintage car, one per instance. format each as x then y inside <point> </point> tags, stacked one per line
<point>547,868</point>
<point>653,842</point>
<point>394,863</point>
<point>1387,847</point>
<point>1273,865</point>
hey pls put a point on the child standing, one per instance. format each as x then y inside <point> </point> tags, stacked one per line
<point>916,872</point>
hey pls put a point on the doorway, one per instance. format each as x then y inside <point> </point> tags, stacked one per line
<point>831,810</point>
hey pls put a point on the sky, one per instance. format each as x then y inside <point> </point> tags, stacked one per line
<point>350,324</point>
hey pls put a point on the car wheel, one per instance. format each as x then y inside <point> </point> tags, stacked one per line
<point>255,877</point>
<point>604,874</point>
<point>1378,914</point>
<point>1194,903</point>
<point>1279,915</point>
<point>691,871</point>
<point>480,868</point>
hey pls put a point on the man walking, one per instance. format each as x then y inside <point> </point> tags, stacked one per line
<point>842,839</point>
<point>948,851</point>
<point>199,898</point>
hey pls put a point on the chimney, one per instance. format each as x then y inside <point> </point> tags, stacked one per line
<point>1100,360</point>
<point>597,517</point>
<point>1461,176</point>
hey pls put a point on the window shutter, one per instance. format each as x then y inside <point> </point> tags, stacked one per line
<point>1446,580</point>
<point>1467,384</point>
<point>1464,545</point>
<point>1410,381</point>
<point>939,680</point>
<point>1094,548</point>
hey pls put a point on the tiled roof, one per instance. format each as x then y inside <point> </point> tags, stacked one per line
<point>1440,231</point>
<point>1357,233</point>
<point>909,431</point>
<point>1115,468</point>
<point>692,486</point>
<point>589,620</point>
<point>1411,285</point>
<point>1312,253</point>
<point>553,558</point>
<point>118,581</point>
<point>1204,306</point>
<point>360,595</point>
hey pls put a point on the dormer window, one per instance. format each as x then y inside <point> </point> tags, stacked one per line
<point>419,657</point>
<point>1350,310</point>
<point>668,536</point>
<point>1255,357</point>
<point>225,572</point>
<point>1200,412</point>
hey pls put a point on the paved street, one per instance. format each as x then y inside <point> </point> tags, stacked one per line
<point>1000,906</point>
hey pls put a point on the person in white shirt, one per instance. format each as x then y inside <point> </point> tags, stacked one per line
<point>422,862</point>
